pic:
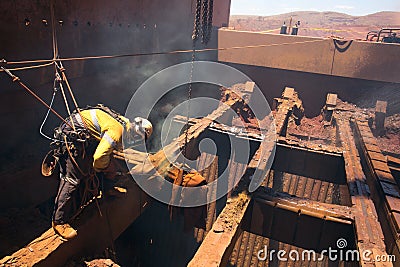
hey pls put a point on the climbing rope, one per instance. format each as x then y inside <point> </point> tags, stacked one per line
<point>55,89</point>
<point>85,203</point>
<point>64,78</point>
<point>29,67</point>
<point>53,32</point>
<point>65,101</point>
<point>17,79</point>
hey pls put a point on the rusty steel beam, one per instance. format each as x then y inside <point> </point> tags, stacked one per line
<point>299,222</point>
<point>237,131</point>
<point>367,227</point>
<point>384,188</point>
<point>321,163</point>
<point>322,148</point>
<point>95,231</point>
<point>220,240</point>
<point>172,150</point>
<point>254,134</point>
<point>289,105</point>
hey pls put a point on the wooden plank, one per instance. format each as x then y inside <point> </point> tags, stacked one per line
<point>286,104</point>
<point>249,87</point>
<point>162,158</point>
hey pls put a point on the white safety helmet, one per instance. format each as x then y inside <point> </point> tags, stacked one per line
<point>143,127</point>
<point>138,131</point>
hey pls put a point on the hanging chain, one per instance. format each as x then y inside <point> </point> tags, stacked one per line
<point>189,98</point>
<point>204,22</point>
<point>197,21</point>
<point>209,21</point>
<point>195,36</point>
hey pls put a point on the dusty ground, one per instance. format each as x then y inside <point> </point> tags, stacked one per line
<point>312,130</point>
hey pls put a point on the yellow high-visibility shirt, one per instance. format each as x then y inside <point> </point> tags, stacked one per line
<point>108,131</point>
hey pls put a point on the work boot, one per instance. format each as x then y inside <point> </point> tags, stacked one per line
<point>117,191</point>
<point>64,231</point>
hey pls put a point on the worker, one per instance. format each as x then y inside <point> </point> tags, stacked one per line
<point>283,28</point>
<point>295,28</point>
<point>87,139</point>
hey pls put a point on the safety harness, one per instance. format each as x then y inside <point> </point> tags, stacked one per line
<point>81,133</point>
<point>66,138</point>
<point>109,111</point>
